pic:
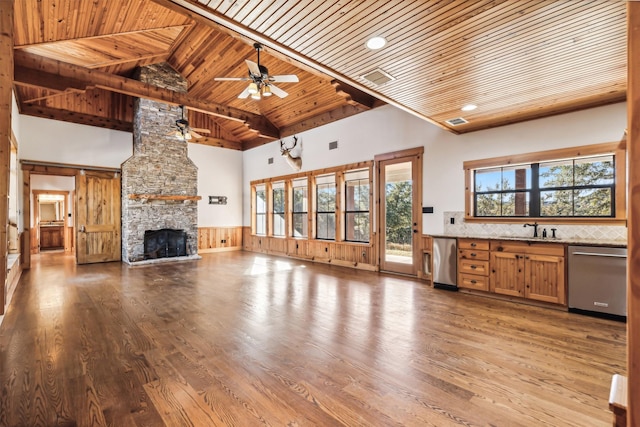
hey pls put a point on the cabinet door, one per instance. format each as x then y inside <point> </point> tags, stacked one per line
<point>507,274</point>
<point>544,278</point>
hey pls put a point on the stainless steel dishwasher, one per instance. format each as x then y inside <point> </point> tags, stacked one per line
<point>598,281</point>
<point>445,263</point>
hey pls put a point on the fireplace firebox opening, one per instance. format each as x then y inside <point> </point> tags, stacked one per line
<point>165,243</point>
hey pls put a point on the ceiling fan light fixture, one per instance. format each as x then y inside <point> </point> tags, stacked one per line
<point>253,88</point>
<point>376,42</point>
<point>255,96</point>
<point>266,90</point>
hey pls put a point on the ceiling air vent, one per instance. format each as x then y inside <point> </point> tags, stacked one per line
<point>457,121</point>
<point>378,77</point>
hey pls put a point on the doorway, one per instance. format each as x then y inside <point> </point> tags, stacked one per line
<point>400,210</point>
<point>50,210</point>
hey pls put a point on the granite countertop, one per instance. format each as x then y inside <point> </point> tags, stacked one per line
<point>567,241</point>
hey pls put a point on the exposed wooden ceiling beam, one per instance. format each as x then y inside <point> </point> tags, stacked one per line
<point>218,142</point>
<point>102,36</point>
<point>321,119</point>
<point>354,96</point>
<point>74,117</point>
<point>52,95</point>
<point>30,77</point>
<point>49,70</point>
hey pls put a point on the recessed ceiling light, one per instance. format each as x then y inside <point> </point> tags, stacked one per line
<point>469,107</point>
<point>376,42</point>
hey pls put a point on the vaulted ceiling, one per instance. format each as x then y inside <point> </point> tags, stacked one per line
<point>515,60</point>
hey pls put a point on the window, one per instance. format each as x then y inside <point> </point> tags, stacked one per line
<point>299,211</point>
<point>503,191</point>
<point>587,186</point>
<point>356,213</point>
<point>261,210</point>
<point>277,192</point>
<point>579,187</point>
<point>326,207</point>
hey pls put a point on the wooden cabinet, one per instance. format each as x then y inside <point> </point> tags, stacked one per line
<point>51,237</point>
<point>530,270</point>
<point>473,264</point>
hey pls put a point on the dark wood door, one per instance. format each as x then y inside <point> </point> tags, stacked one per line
<point>98,218</point>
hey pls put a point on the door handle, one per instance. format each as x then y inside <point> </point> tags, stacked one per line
<point>82,229</point>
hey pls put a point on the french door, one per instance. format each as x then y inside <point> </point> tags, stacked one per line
<point>400,210</point>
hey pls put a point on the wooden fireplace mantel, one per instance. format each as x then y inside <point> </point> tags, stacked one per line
<point>164,197</point>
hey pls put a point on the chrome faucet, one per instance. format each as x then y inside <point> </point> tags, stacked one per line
<point>535,228</point>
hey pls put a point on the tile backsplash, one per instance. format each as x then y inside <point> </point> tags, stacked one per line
<point>563,231</point>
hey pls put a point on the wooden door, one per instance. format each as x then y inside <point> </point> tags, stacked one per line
<point>400,211</point>
<point>507,273</point>
<point>98,217</point>
<point>544,278</point>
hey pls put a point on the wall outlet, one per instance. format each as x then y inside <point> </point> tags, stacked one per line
<point>223,241</point>
<point>452,220</point>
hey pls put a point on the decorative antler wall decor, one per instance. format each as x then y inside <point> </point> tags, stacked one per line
<point>294,162</point>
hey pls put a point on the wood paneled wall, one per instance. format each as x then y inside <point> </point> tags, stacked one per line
<point>6,85</point>
<point>218,239</point>
<point>347,254</point>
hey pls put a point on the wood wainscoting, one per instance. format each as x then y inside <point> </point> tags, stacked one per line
<point>348,254</point>
<point>219,239</point>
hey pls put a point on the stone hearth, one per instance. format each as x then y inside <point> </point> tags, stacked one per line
<point>160,166</point>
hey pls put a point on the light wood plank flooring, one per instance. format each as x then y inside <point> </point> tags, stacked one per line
<point>246,339</point>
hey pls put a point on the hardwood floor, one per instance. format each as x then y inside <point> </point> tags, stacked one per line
<point>246,339</point>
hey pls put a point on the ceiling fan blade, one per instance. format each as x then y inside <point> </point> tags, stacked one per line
<point>286,78</point>
<point>277,91</point>
<point>253,68</point>
<point>244,94</point>
<point>195,134</point>
<point>230,79</point>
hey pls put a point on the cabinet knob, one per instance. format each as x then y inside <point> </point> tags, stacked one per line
<point>473,254</point>
<point>473,282</point>
<point>473,267</point>
<point>473,245</point>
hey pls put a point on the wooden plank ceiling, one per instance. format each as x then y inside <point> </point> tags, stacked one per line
<point>516,60</point>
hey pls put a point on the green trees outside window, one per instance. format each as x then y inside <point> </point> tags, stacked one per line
<point>579,187</point>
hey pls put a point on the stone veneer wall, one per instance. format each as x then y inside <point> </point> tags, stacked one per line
<point>159,166</point>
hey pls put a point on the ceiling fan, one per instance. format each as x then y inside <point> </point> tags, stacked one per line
<point>261,82</point>
<point>184,131</point>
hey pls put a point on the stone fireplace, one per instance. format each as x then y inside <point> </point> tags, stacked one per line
<point>156,179</point>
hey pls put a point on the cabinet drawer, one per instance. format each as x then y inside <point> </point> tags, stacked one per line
<point>472,281</point>
<point>473,254</point>
<point>471,266</point>
<point>477,244</point>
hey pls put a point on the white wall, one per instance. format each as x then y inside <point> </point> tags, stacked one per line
<point>389,129</point>
<point>61,142</point>
<point>219,174</point>
<point>15,117</point>
<point>219,169</point>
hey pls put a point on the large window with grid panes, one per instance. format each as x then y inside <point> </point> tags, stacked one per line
<point>331,204</point>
